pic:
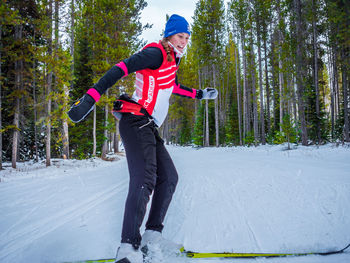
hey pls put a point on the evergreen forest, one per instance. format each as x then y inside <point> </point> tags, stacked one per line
<point>282,69</point>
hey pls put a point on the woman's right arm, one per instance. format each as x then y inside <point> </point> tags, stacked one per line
<point>147,58</point>
<point>151,57</point>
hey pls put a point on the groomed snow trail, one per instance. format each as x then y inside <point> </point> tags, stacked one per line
<point>260,199</point>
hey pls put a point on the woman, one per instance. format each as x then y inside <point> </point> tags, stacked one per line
<point>150,166</point>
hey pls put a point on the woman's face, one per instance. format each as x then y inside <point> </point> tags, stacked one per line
<point>180,40</point>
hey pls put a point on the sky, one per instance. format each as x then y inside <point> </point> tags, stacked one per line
<point>156,11</point>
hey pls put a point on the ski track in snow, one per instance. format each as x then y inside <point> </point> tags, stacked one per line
<point>228,199</point>
<point>28,234</point>
<point>234,203</point>
<point>8,233</point>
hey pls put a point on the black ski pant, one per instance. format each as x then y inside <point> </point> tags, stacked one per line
<point>151,169</point>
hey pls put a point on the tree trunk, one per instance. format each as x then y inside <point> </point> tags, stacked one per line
<point>299,71</point>
<point>294,99</point>
<point>346,80</point>
<point>345,97</point>
<point>15,131</point>
<point>245,101</point>
<point>72,15</point>
<point>48,125</point>
<point>105,133</point>
<point>35,113</point>
<point>274,84</point>
<point>314,36</point>
<point>238,78</point>
<point>267,87</point>
<point>111,141</point>
<point>48,92</point>
<point>262,117</point>
<point>198,102</point>
<point>206,124</point>
<point>116,137</point>
<point>18,37</point>
<point>255,103</point>
<point>65,140</point>
<point>166,135</point>
<point>332,89</point>
<point>0,99</point>
<point>216,111</point>
<point>66,151</point>
<point>336,84</point>
<point>199,87</point>
<point>65,133</point>
<point>228,94</point>
<point>280,83</point>
<point>280,67</point>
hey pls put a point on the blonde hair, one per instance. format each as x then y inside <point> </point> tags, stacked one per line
<point>167,48</point>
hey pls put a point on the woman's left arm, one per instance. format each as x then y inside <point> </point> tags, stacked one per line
<point>183,91</point>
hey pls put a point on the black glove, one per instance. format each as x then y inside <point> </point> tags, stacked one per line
<point>209,94</point>
<point>81,108</point>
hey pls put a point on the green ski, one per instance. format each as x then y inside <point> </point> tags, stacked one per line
<point>191,254</point>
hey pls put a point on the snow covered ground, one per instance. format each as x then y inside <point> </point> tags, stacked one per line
<point>238,199</point>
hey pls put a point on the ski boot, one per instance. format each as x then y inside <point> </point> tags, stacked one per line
<point>128,254</point>
<point>154,245</point>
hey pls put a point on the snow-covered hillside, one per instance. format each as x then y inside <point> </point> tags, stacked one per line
<point>262,199</point>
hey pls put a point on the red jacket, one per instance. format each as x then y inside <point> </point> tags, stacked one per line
<point>154,87</point>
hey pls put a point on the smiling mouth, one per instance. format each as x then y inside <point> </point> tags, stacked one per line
<point>179,49</point>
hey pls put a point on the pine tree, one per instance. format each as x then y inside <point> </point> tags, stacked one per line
<point>107,42</point>
<point>207,39</point>
<point>259,16</point>
<point>9,17</point>
<point>233,129</point>
<point>288,130</point>
<point>17,42</point>
<point>300,76</point>
<point>239,12</point>
<point>337,13</point>
<point>252,69</point>
<point>80,139</point>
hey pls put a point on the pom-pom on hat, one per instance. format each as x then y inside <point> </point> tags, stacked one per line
<point>176,24</point>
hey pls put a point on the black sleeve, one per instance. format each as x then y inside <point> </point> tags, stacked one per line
<point>150,57</point>
<point>109,79</point>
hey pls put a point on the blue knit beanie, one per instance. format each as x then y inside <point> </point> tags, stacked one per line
<point>176,24</point>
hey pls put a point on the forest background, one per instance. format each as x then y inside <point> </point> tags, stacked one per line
<point>282,68</point>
